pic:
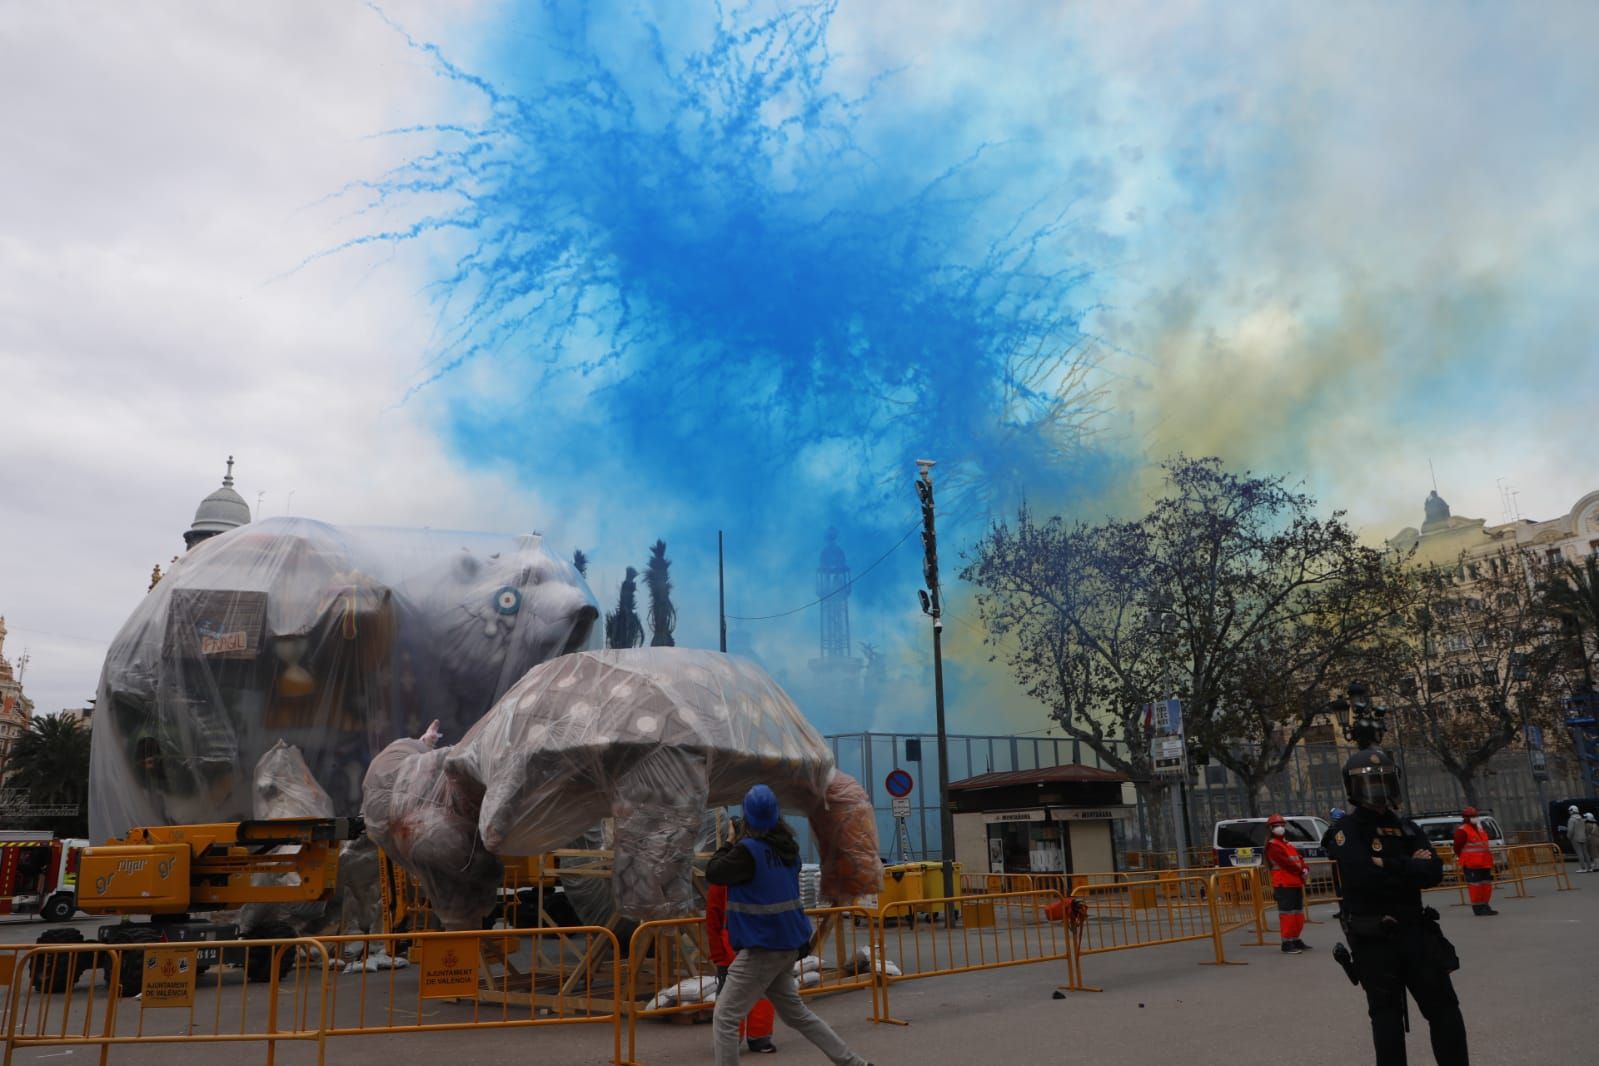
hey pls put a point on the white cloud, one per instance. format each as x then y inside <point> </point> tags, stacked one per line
<point>163,168</point>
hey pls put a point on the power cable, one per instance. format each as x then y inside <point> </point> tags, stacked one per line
<point>848,584</point>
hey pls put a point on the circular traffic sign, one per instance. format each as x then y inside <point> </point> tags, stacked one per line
<point>899,783</point>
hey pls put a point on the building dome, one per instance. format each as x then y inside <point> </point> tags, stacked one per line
<point>219,512</point>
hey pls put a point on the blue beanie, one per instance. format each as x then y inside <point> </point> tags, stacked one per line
<point>760,808</point>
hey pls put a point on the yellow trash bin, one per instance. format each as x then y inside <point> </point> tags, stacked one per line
<point>933,880</point>
<point>900,883</point>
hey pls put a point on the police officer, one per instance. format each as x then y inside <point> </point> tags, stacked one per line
<point>1383,863</point>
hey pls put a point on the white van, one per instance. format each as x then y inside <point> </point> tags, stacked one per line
<point>1242,841</point>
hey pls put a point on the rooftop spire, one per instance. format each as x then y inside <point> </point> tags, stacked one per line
<point>227,481</point>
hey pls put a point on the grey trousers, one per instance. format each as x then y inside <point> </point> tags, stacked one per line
<point>756,973</point>
<point>1584,849</point>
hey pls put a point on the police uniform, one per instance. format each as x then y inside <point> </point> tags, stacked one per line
<point>1396,941</point>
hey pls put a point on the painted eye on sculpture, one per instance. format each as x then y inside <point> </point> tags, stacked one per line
<point>507,600</point>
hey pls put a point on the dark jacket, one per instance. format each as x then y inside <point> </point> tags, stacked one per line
<point>733,865</point>
<point>1392,887</point>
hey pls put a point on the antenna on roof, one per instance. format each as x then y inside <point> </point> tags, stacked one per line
<point>1434,474</point>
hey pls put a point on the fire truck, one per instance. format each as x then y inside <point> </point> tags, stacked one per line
<point>39,874</point>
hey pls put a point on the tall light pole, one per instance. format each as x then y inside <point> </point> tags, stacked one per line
<point>932,607</point>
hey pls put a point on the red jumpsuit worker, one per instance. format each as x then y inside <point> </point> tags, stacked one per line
<point>757,1028</point>
<point>1288,872</point>
<point>1476,857</point>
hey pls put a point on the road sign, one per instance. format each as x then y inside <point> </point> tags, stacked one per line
<point>899,783</point>
<point>1166,756</point>
<point>902,806</point>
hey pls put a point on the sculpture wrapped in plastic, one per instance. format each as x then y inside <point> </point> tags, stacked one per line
<point>335,639</point>
<point>650,737</point>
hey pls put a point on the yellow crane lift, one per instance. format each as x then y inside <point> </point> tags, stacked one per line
<point>170,873</point>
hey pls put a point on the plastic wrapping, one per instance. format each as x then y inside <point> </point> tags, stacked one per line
<point>284,788</point>
<point>649,736</point>
<point>427,822</point>
<point>845,829</point>
<point>335,639</point>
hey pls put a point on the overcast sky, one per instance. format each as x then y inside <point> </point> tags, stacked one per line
<point>633,274</point>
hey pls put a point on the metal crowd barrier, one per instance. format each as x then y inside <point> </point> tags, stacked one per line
<point>665,953</point>
<point>488,979</point>
<point>74,996</point>
<point>1532,861</point>
<point>995,930</point>
<point>1150,913</point>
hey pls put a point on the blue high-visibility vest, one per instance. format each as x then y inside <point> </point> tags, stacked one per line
<point>765,911</point>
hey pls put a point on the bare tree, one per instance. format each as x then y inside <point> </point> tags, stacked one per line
<point>1076,632</point>
<point>1479,660</point>
<point>1230,594</point>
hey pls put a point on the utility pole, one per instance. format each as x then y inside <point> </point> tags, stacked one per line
<point>932,608</point>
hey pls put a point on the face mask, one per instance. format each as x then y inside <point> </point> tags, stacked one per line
<point>1278,831</point>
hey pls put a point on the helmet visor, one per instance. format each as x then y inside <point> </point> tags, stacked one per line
<point>1376,786</point>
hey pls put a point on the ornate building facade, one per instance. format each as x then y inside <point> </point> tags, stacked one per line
<point>16,710</point>
<point>1444,537</point>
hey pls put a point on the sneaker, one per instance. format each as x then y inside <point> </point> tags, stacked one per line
<point>1290,947</point>
<point>762,1045</point>
<point>1302,945</point>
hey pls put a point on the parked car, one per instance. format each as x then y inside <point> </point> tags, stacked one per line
<point>1242,841</point>
<point>1559,812</point>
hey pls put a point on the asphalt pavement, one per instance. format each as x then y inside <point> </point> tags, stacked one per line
<point>1527,987</point>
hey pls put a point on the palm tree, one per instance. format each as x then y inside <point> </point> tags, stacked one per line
<point>663,616</point>
<point>622,626</point>
<point>51,763</point>
<point>580,561</point>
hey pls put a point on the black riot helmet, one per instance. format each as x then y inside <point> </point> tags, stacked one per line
<point>1372,780</point>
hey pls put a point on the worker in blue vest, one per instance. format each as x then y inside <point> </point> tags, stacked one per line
<point>768,930</point>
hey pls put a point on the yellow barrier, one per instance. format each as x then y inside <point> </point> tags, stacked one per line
<point>490,979</point>
<point>1532,861</point>
<point>662,954</point>
<point>1020,934</point>
<point>1149,913</point>
<point>46,1007</point>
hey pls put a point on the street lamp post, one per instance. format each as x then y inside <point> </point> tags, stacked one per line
<point>932,607</point>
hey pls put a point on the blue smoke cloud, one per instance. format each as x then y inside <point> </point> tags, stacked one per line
<point>682,256</point>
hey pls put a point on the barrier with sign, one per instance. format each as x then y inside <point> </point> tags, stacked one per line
<point>66,995</point>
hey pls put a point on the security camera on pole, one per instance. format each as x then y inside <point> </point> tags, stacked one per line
<point>930,607</point>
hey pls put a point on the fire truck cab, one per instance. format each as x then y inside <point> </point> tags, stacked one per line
<point>39,874</point>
